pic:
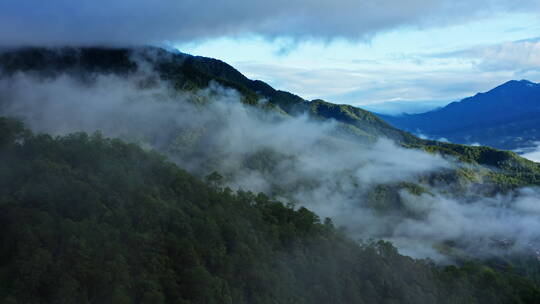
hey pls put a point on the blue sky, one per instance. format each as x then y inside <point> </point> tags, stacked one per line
<point>399,55</point>
<point>406,69</point>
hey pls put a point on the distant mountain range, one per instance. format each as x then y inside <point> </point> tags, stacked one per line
<point>506,117</point>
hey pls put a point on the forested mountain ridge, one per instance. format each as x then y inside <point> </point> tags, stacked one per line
<point>88,219</point>
<point>337,160</point>
<point>191,73</point>
<point>505,117</point>
<point>188,72</point>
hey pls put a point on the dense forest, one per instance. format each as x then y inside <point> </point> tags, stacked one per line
<point>88,219</point>
<point>153,203</point>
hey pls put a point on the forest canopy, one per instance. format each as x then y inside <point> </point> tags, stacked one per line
<point>87,219</point>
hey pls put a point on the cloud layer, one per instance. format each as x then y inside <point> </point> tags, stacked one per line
<point>310,163</point>
<point>60,22</point>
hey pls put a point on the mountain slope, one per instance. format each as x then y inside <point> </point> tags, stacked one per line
<point>116,208</point>
<point>93,220</point>
<point>505,117</point>
<point>189,73</point>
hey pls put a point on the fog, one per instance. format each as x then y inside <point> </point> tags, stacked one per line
<point>294,159</point>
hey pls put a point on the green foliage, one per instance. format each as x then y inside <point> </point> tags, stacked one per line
<point>214,179</point>
<point>504,168</point>
<point>87,219</point>
<point>413,188</point>
<point>11,132</point>
<point>362,119</point>
<point>92,220</point>
<point>190,73</point>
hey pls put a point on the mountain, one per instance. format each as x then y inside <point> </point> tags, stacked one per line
<point>506,117</point>
<point>158,203</point>
<point>192,74</point>
<point>188,72</point>
<point>86,219</point>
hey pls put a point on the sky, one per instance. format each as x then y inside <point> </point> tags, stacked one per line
<point>401,70</point>
<point>387,55</point>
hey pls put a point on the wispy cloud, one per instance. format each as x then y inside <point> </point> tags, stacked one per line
<point>395,86</point>
<point>312,165</point>
<point>521,56</point>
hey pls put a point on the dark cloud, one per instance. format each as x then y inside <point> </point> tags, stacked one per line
<point>55,22</point>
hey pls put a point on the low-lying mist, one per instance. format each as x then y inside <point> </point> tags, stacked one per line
<point>294,159</point>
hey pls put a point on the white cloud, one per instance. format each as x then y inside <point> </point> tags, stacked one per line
<point>304,161</point>
<point>531,153</point>
<point>396,84</point>
<point>520,57</point>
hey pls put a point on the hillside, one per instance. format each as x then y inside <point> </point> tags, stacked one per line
<point>337,160</point>
<point>506,117</point>
<point>88,219</point>
<point>232,152</point>
<point>188,72</point>
<point>192,73</point>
